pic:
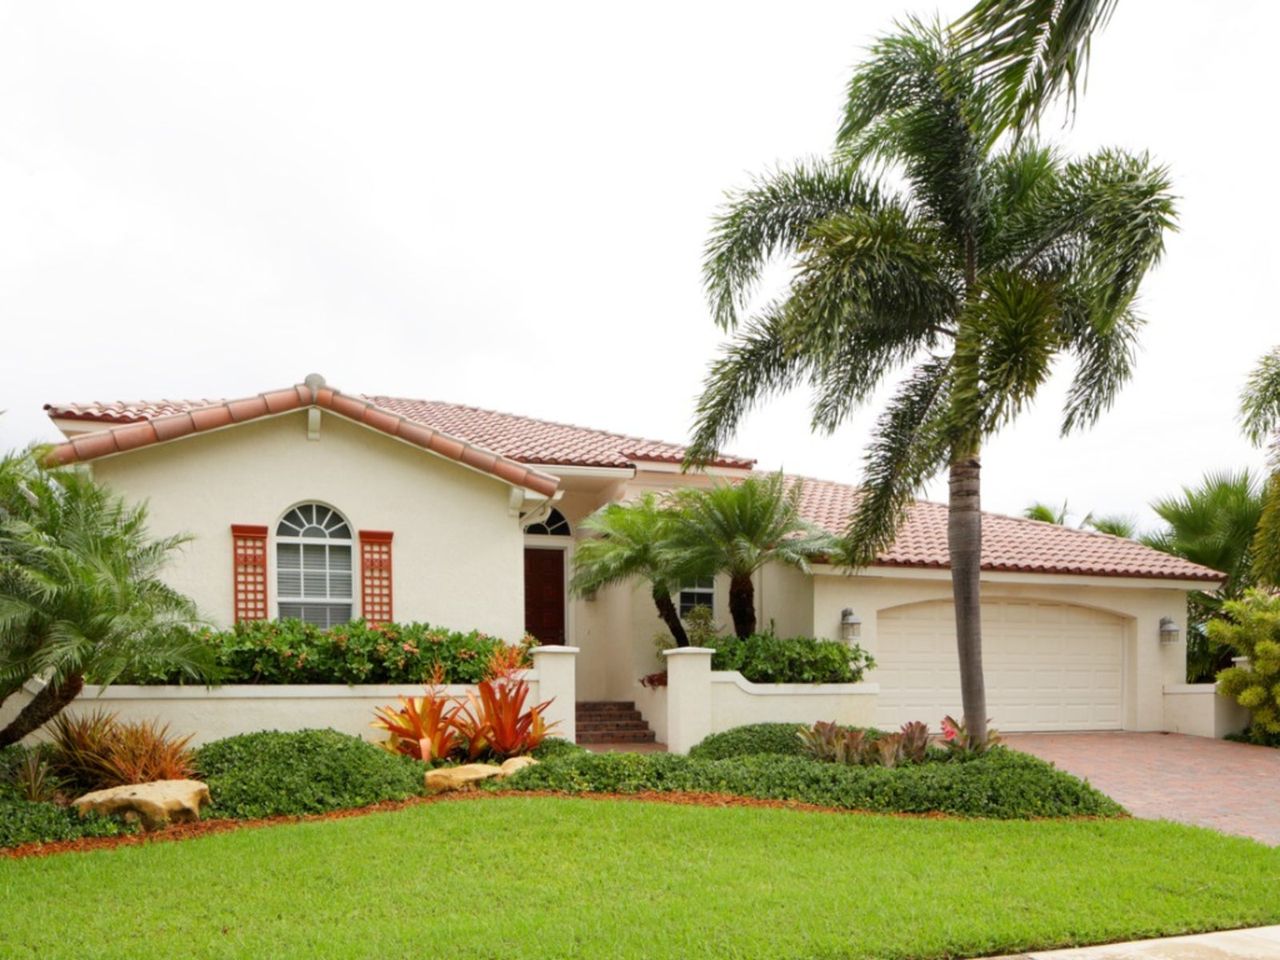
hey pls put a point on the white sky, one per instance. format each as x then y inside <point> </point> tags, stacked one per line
<point>505,205</point>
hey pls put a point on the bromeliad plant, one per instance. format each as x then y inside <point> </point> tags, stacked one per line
<point>854,746</point>
<point>491,722</point>
<point>961,742</point>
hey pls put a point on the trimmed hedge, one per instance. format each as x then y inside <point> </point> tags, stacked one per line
<point>765,658</point>
<point>307,771</point>
<point>1002,784</point>
<point>290,651</point>
<point>779,739</point>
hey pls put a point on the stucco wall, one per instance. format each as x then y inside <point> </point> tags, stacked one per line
<point>458,550</point>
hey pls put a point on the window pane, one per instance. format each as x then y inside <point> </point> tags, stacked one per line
<point>314,571</point>
<point>339,571</point>
<point>288,570</point>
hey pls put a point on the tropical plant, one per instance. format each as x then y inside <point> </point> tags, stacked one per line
<point>97,750</point>
<point>496,712</point>
<point>737,528</point>
<point>421,727</point>
<point>960,741</point>
<point>915,741</point>
<point>830,742</point>
<point>34,779</point>
<point>992,260</point>
<point>1260,407</point>
<point>1114,525</point>
<point>632,542</point>
<point>1033,51</point>
<point>1214,525</point>
<point>1047,514</point>
<point>80,592</point>
<point>1251,627</point>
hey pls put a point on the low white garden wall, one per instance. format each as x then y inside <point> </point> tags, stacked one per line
<point>213,713</point>
<point>701,701</point>
<point>652,704</point>
<point>1198,709</point>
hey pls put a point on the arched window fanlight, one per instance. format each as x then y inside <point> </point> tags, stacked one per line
<point>555,525</point>
<point>313,565</point>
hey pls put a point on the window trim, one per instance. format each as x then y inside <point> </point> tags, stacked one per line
<point>693,586</point>
<point>328,600</point>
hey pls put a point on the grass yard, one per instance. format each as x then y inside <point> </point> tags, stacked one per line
<point>512,876</point>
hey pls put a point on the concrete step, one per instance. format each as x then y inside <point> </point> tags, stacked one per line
<point>615,736</point>
<point>610,716</point>
<point>605,706</point>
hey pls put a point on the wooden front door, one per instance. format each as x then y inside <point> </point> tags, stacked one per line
<point>544,594</point>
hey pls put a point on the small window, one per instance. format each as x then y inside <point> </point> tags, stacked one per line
<point>313,566</point>
<point>698,592</point>
<point>555,525</point>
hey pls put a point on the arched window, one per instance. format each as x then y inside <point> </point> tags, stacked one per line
<point>313,565</point>
<point>555,525</point>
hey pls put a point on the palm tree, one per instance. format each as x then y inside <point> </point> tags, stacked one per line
<point>1033,51</point>
<point>1047,514</point>
<point>737,528</point>
<point>1260,407</point>
<point>989,261</point>
<point>633,542</point>
<point>80,594</point>
<point>1213,524</point>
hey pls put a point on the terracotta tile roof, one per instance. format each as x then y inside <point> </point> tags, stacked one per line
<point>142,424</point>
<point>518,438</point>
<point>1009,544</point>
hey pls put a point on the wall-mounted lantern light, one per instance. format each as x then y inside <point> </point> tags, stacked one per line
<point>850,625</point>
<point>1168,630</point>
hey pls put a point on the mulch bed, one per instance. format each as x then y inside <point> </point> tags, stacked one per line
<point>188,831</point>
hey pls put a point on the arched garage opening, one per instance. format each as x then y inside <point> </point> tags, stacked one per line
<point>1048,666</point>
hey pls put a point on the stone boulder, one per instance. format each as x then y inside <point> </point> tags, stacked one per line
<point>156,804</point>
<point>469,774</point>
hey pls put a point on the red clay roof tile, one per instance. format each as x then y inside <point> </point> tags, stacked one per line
<point>1009,544</point>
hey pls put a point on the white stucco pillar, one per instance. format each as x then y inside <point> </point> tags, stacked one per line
<point>688,697</point>
<point>557,682</point>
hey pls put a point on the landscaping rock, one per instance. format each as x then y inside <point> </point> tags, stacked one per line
<point>516,764</point>
<point>155,804</point>
<point>455,778</point>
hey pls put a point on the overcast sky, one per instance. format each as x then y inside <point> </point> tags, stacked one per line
<point>505,205</point>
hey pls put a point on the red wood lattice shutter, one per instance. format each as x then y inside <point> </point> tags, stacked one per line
<point>249,571</point>
<point>375,576</point>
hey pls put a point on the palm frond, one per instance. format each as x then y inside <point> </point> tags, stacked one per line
<point>1260,402</point>
<point>771,218</point>
<point>1034,51</point>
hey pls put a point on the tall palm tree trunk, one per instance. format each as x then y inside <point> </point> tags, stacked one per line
<point>670,615</point>
<point>44,706</point>
<point>964,540</point>
<point>742,605</point>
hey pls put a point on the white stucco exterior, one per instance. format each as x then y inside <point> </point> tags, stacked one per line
<point>457,544</point>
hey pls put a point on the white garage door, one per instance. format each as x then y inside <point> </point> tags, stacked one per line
<point>1048,666</point>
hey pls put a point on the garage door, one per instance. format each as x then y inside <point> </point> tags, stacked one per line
<point>1048,666</point>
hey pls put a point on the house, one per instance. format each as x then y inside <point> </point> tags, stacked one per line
<point>313,503</point>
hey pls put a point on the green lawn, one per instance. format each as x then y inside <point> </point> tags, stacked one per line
<point>540,877</point>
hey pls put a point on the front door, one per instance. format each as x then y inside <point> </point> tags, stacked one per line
<point>544,594</point>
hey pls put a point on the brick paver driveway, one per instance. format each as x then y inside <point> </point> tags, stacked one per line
<point>1232,787</point>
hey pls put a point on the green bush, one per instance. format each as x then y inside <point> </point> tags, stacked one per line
<point>754,739</point>
<point>25,822</point>
<point>765,658</point>
<point>554,747</point>
<point>308,771</point>
<point>290,651</point>
<point>1252,629</point>
<point>1001,785</point>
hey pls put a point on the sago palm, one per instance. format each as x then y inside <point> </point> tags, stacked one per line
<point>930,243</point>
<point>633,542</point>
<point>80,592</point>
<point>738,528</point>
<point>1260,407</point>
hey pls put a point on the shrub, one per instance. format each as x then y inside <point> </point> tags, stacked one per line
<point>553,748</point>
<point>307,771</point>
<point>855,746</point>
<point>94,751</point>
<point>1253,630</point>
<point>961,744</point>
<point>1002,784</point>
<point>25,822</point>
<point>756,738</point>
<point>494,723</point>
<point>765,658</point>
<point>290,651</point>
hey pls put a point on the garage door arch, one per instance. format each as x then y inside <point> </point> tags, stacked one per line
<point>1049,665</point>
